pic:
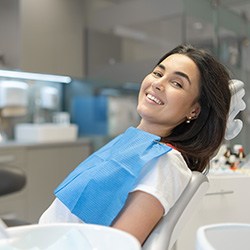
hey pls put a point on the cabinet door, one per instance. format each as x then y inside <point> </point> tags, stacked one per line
<point>13,206</point>
<point>48,166</point>
<point>227,200</point>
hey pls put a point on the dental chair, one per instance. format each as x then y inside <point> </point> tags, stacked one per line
<point>11,180</point>
<point>168,229</point>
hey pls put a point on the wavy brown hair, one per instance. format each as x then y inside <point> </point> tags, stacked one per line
<point>199,140</point>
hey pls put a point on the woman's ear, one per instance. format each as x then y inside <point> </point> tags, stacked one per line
<point>195,111</point>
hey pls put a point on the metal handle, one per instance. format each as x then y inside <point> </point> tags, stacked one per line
<point>222,192</point>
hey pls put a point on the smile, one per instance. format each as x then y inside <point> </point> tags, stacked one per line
<point>154,99</point>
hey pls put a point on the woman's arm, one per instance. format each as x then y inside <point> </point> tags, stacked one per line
<point>140,214</point>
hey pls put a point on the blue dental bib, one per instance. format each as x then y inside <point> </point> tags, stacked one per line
<point>97,189</point>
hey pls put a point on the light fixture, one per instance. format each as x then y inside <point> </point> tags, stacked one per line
<point>198,25</point>
<point>129,33</point>
<point>35,76</point>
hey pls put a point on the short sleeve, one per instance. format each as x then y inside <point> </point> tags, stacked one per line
<point>165,178</point>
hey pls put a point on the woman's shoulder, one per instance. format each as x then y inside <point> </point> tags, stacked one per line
<point>168,166</point>
<point>165,178</point>
<point>173,161</point>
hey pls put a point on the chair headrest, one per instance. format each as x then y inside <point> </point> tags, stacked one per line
<point>237,104</point>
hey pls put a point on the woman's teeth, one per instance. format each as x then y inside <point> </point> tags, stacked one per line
<point>154,99</point>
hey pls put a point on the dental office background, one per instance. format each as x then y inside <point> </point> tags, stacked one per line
<point>70,71</point>
<point>107,47</point>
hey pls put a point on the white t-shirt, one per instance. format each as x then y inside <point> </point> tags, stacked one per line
<point>165,179</point>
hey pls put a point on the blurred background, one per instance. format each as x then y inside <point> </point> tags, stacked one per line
<point>107,47</point>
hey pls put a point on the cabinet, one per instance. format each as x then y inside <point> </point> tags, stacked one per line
<point>227,200</point>
<point>45,165</point>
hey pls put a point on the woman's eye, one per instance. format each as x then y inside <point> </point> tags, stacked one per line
<point>177,84</point>
<point>158,74</point>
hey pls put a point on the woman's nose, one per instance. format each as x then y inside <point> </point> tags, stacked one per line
<point>157,85</point>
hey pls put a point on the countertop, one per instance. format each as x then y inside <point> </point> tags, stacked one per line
<point>18,144</point>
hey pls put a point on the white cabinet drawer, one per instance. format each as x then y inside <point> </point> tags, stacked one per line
<point>227,200</point>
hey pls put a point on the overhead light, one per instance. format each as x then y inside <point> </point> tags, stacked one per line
<point>129,33</point>
<point>35,76</point>
<point>198,25</point>
<point>138,35</point>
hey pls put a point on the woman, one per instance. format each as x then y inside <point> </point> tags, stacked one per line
<point>184,102</point>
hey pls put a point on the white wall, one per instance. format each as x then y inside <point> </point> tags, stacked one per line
<point>52,36</point>
<point>9,32</point>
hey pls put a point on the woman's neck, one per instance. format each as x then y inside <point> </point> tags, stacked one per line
<point>155,129</point>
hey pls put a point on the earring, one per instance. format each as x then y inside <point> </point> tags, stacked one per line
<point>188,119</point>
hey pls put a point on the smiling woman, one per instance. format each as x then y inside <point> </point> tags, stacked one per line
<point>200,136</point>
<point>136,178</point>
<point>169,95</point>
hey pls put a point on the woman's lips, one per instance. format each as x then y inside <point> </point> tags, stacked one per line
<point>154,99</point>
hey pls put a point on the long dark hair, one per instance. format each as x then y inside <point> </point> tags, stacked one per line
<point>200,139</point>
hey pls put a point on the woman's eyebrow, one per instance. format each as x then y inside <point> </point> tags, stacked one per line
<point>161,66</point>
<point>183,75</point>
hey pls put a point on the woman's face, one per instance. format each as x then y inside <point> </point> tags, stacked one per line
<point>168,95</point>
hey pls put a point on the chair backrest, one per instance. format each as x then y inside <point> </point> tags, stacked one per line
<point>168,229</point>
